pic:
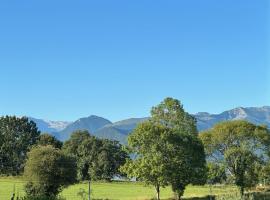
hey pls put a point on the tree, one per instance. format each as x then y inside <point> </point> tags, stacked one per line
<point>72,144</point>
<point>148,142</point>
<point>47,139</point>
<point>241,146</point>
<point>47,171</point>
<point>17,135</point>
<point>108,161</point>
<point>167,149</point>
<point>80,142</point>
<point>188,165</point>
<point>97,159</point>
<point>88,152</point>
<point>170,113</point>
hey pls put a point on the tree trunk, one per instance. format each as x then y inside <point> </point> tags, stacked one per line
<point>242,192</point>
<point>179,196</point>
<point>158,192</point>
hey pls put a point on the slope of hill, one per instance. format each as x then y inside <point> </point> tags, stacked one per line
<point>119,130</point>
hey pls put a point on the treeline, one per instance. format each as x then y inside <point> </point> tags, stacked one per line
<point>166,151</point>
<point>48,164</point>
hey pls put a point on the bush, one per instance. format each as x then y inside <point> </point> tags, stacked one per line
<point>47,171</point>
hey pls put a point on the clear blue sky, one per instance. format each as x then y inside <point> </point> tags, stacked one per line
<point>62,60</point>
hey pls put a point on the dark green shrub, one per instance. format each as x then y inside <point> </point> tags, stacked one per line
<point>48,171</point>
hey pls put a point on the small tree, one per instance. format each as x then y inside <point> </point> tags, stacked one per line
<point>47,171</point>
<point>242,146</point>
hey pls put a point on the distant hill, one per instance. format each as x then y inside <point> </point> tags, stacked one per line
<point>119,130</point>
<point>91,124</point>
<point>257,115</point>
<point>103,128</point>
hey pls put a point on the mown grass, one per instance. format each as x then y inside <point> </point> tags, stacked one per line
<point>112,191</point>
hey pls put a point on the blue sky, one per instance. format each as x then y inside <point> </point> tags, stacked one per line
<point>62,60</point>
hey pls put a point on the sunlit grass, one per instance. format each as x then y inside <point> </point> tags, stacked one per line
<point>113,190</point>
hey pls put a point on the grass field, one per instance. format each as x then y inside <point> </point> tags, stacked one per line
<point>112,191</point>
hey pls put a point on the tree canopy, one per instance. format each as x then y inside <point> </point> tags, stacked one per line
<point>17,135</point>
<point>216,172</point>
<point>47,139</point>
<point>170,113</point>
<point>242,146</point>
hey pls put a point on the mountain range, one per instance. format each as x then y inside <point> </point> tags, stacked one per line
<point>103,128</point>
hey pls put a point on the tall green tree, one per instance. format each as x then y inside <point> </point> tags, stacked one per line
<point>167,149</point>
<point>242,146</point>
<point>17,135</point>
<point>88,152</point>
<point>83,147</point>
<point>48,170</point>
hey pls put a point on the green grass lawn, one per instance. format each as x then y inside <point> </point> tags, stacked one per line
<point>112,191</point>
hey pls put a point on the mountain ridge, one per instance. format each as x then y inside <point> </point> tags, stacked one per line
<point>104,128</point>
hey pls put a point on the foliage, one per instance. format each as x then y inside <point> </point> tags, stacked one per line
<point>108,161</point>
<point>167,149</point>
<point>73,148</point>
<point>47,171</point>
<point>148,142</point>
<point>188,164</point>
<point>17,135</point>
<point>216,173</point>
<point>265,174</point>
<point>171,113</point>
<point>97,159</point>
<point>47,139</point>
<point>242,146</point>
